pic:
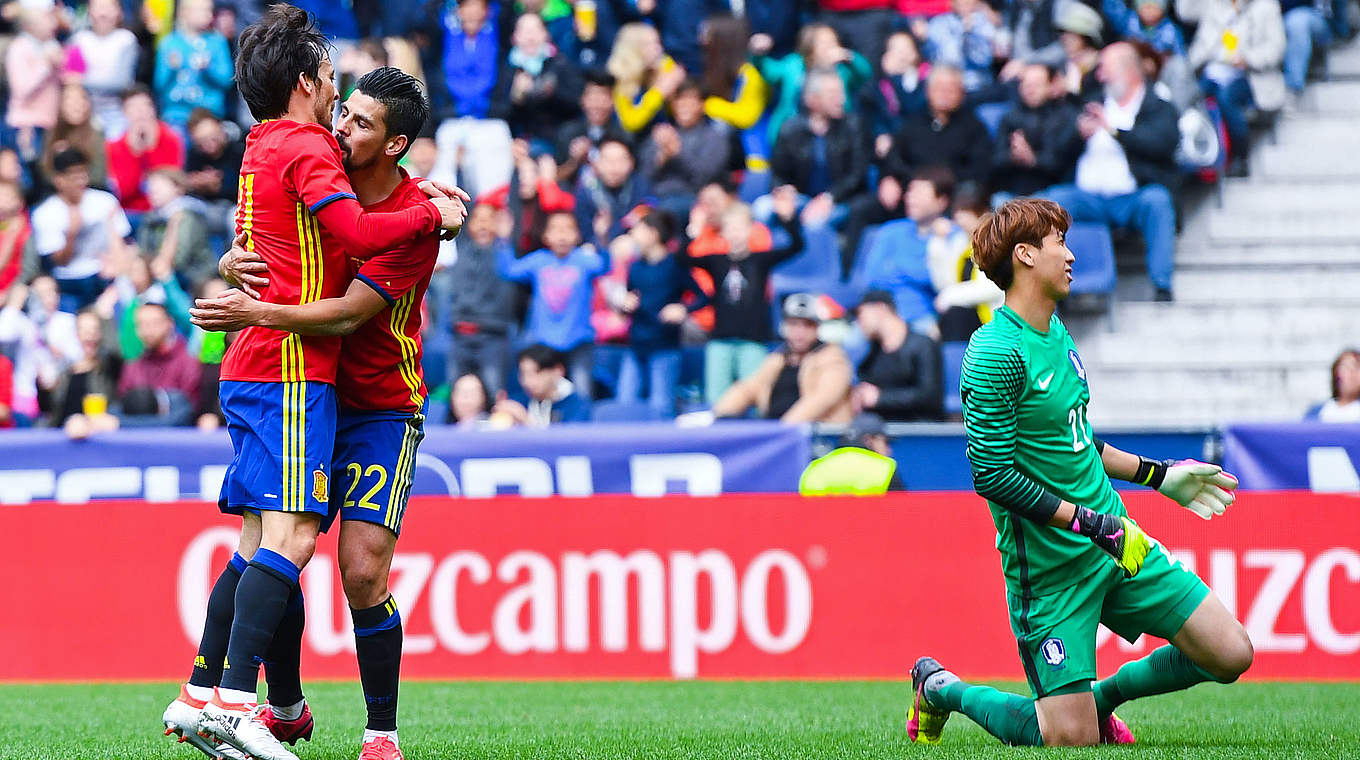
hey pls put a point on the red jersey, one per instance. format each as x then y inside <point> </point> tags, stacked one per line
<point>380,362</point>
<point>128,170</point>
<point>292,187</point>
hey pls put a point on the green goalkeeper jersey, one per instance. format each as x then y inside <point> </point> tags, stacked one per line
<point>1024,396</point>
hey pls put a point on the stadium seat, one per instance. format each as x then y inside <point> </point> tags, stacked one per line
<point>812,270</point>
<point>620,411</point>
<point>848,293</point>
<point>952,353</point>
<point>990,114</point>
<point>1093,271</point>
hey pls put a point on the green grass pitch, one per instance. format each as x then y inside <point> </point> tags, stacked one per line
<point>699,720</point>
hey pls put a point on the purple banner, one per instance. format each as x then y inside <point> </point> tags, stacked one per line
<point>1309,456</point>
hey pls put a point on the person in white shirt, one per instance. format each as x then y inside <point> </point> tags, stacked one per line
<point>76,229</point>
<point>41,338</point>
<point>1125,175</point>
<point>110,52</point>
<point>1344,405</point>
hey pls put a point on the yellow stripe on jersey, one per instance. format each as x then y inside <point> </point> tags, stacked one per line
<point>401,314</point>
<point>246,199</point>
<point>404,473</point>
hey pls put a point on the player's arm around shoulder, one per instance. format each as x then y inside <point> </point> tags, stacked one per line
<point>234,310</point>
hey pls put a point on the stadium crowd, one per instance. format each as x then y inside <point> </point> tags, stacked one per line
<point>652,180</point>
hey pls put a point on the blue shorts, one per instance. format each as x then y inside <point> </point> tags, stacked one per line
<point>375,461</point>
<point>283,435</point>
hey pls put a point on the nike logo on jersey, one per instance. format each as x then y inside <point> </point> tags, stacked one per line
<point>1043,382</point>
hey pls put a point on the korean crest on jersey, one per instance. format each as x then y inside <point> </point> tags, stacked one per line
<point>1076,364</point>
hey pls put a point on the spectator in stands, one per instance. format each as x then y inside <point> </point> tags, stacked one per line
<point>76,228</point>
<point>1037,142</point>
<point>610,192</point>
<point>906,252</point>
<point>86,388</point>
<point>898,92</point>
<point>704,231</point>
<point>561,276</point>
<point>172,234</point>
<point>821,153</point>
<point>476,138</point>
<point>34,62</point>
<point>15,233</point>
<point>644,76</point>
<point>483,305</point>
<point>1305,29</point>
<point>658,285</point>
<point>75,128</point>
<point>804,380</point>
<point>818,48</point>
<point>212,169</point>
<point>741,301</point>
<point>680,158</point>
<point>945,135</point>
<point>160,387</point>
<point>134,285</point>
<point>1080,31</point>
<point>13,170</point>
<point>212,347</point>
<point>548,397</point>
<point>42,341</point>
<point>965,297</point>
<point>193,65</point>
<point>544,85</point>
<point>737,94</point>
<point>468,401</point>
<point>861,22</point>
<point>902,378</point>
<point>1127,169</point>
<point>148,143</point>
<point>963,38</point>
<point>1028,33</point>
<point>861,466</point>
<point>1147,22</point>
<point>7,418</point>
<point>112,51</point>
<point>577,139</point>
<point>1238,48</point>
<point>1344,405</point>
<point>869,211</point>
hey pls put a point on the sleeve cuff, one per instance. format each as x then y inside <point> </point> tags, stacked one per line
<point>328,200</point>
<point>377,288</point>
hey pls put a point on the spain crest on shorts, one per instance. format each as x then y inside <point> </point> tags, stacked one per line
<point>320,489</point>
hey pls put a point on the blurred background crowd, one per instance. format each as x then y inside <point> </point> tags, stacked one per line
<point>760,207</point>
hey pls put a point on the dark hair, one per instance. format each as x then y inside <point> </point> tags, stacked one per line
<point>403,100</point>
<point>600,78</point>
<point>545,357</point>
<point>662,221</point>
<point>941,180</point>
<point>136,89</point>
<point>271,53</point>
<point>68,159</point>
<point>1022,220</point>
<point>198,116</point>
<point>689,85</point>
<point>1336,387</point>
<point>725,40</point>
<point>608,138</point>
<point>971,198</point>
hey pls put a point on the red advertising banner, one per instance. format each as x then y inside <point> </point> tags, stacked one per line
<point>614,586</point>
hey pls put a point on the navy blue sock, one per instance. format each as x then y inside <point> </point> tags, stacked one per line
<point>283,659</point>
<point>212,647</point>
<point>261,598</point>
<point>377,643</point>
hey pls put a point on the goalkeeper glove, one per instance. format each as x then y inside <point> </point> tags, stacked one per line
<point>1119,537</point>
<point>1202,488</point>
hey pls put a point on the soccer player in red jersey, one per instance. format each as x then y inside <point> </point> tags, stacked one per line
<point>380,381</point>
<point>277,390</point>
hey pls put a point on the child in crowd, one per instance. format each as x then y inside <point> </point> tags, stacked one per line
<point>561,276</point>
<point>193,66</point>
<point>657,286</point>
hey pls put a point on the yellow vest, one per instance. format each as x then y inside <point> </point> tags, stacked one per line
<point>851,471</point>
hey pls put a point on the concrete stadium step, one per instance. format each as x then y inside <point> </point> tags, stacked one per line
<point>1302,162</point>
<point>1262,253</point>
<point>1240,350</point>
<point>1251,195</point>
<point>1344,63</point>
<point>1328,226</point>
<point>1203,396</point>
<point>1176,321</point>
<point>1285,285</point>
<point>1338,97</point>
<point>1314,129</point>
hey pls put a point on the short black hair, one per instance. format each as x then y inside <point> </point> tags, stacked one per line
<point>544,357</point>
<point>69,158</point>
<point>662,221</point>
<point>271,53</point>
<point>403,99</point>
<point>600,78</point>
<point>137,88</point>
<point>941,180</point>
<point>689,85</point>
<point>608,138</point>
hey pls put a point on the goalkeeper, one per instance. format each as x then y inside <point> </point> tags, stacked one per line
<point>1072,557</point>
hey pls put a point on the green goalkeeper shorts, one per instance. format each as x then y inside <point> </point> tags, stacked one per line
<point>1056,632</point>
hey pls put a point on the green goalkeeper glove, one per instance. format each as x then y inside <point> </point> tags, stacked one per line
<point>1202,488</point>
<point>1119,537</point>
